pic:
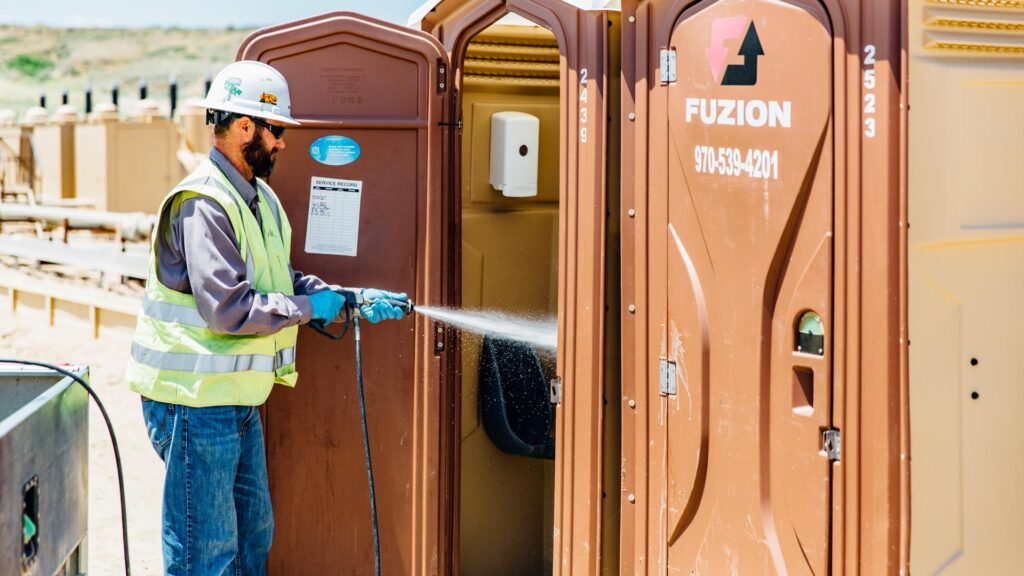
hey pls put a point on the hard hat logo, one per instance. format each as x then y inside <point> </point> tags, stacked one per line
<point>268,98</point>
<point>232,86</point>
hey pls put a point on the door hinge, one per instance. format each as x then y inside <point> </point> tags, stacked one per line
<point>556,391</point>
<point>442,76</point>
<point>667,378</point>
<point>832,444</point>
<point>668,66</point>
<point>438,339</point>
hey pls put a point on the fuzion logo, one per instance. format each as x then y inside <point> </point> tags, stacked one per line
<point>731,112</point>
<point>731,28</point>
<point>726,112</point>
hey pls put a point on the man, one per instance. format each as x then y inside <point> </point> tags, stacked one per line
<point>218,330</point>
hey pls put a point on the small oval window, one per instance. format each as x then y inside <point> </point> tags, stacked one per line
<point>810,334</point>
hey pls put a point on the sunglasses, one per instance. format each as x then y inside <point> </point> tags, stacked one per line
<point>277,131</point>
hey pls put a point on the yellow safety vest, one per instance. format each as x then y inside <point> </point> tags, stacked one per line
<point>175,357</point>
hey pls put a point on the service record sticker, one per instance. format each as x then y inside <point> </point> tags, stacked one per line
<point>333,224</point>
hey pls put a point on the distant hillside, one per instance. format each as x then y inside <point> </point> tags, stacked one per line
<point>35,59</point>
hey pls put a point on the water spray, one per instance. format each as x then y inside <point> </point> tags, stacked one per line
<point>542,333</point>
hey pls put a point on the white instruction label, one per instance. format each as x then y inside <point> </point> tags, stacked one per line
<point>333,224</point>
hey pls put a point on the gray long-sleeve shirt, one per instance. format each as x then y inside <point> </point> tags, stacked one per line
<point>197,254</point>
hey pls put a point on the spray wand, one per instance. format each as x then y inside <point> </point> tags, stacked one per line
<point>353,301</point>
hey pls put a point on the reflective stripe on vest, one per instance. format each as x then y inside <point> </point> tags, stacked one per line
<point>212,363</point>
<point>286,356</point>
<point>173,313</point>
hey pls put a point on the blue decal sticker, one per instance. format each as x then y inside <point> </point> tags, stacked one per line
<point>334,150</point>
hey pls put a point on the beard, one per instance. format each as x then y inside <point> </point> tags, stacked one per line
<point>258,157</point>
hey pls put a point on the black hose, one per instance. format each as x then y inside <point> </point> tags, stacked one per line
<point>113,440</point>
<point>366,448</point>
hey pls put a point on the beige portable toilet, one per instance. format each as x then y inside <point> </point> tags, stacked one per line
<point>126,166</point>
<point>55,153</point>
<point>966,280</point>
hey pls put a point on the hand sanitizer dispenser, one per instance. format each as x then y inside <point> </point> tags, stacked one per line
<point>514,151</point>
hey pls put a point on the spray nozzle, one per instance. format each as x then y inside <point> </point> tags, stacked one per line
<point>406,306</point>
<point>355,300</point>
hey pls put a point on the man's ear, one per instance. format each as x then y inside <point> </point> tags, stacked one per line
<point>246,127</point>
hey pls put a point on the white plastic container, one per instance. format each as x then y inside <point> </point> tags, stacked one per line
<point>514,153</point>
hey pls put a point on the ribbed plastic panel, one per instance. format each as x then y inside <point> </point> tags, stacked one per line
<point>1004,4</point>
<point>986,28</point>
<point>514,56</point>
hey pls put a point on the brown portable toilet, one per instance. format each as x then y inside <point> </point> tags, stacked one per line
<point>766,355</point>
<point>404,118</point>
<point>370,91</point>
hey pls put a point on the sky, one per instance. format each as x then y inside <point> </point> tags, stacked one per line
<point>190,13</point>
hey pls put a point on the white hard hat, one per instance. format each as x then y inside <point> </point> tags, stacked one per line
<point>251,88</point>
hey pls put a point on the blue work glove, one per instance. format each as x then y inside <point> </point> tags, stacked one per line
<point>326,305</point>
<point>377,308</point>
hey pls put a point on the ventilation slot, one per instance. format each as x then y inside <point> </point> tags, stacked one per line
<point>997,4</point>
<point>974,25</point>
<point>981,28</point>
<point>512,56</point>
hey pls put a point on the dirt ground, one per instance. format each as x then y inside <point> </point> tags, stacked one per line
<point>27,335</point>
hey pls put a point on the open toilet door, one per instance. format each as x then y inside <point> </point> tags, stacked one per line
<point>364,183</point>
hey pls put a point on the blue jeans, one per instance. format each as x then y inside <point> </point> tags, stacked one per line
<point>217,517</point>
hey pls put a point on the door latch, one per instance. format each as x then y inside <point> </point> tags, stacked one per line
<point>556,391</point>
<point>832,444</point>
